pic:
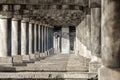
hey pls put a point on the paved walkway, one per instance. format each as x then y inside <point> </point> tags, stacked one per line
<point>57,67</point>
<point>56,63</point>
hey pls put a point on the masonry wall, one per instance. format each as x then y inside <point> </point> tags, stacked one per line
<point>82,43</point>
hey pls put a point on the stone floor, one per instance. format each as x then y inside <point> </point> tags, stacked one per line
<point>53,67</point>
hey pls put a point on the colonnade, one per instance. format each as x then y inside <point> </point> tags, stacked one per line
<point>24,37</point>
<point>104,29</point>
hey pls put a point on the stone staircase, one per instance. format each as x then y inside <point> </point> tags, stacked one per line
<point>57,67</point>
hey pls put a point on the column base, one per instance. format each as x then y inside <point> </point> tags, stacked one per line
<point>50,51</point>
<point>94,66</point>
<point>26,57</point>
<point>6,61</point>
<point>17,59</point>
<point>108,74</point>
<point>37,56</point>
<point>43,55</point>
<point>32,56</point>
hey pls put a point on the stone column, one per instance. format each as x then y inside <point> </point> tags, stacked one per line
<point>39,36</point>
<point>4,25</point>
<point>15,41</point>
<point>65,40</point>
<point>42,39</point>
<point>88,33</point>
<point>45,36</point>
<point>15,30</point>
<point>47,40</point>
<point>37,40</point>
<point>55,42</point>
<point>96,33</point>
<point>35,49</point>
<point>24,39</point>
<point>32,56</point>
<point>87,41</point>
<point>51,41</point>
<point>95,37</point>
<point>30,38</point>
<point>110,40</point>
<point>15,37</point>
<point>5,58</point>
<point>3,38</point>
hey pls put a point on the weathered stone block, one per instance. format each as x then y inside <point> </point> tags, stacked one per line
<point>108,74</point>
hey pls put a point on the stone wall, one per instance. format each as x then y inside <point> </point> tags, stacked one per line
<point>81,47</point>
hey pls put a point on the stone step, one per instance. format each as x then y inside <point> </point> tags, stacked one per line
<point>26,61</point>
<point>42,68</point>
<point>47,75</point>
<point>19,64</point>
<point>7,69</point>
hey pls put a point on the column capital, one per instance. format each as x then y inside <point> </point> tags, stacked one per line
<point>17,17</point>
<point>36,22</point>
<point>25,20</point>
<point>94,3</point>
<point>51,26</point>
<point>5,14</point>
<point>5,7</point>
<point>16,7</point>
<point>32,21</point>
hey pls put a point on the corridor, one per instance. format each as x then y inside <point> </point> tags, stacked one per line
<point>60,39</point>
